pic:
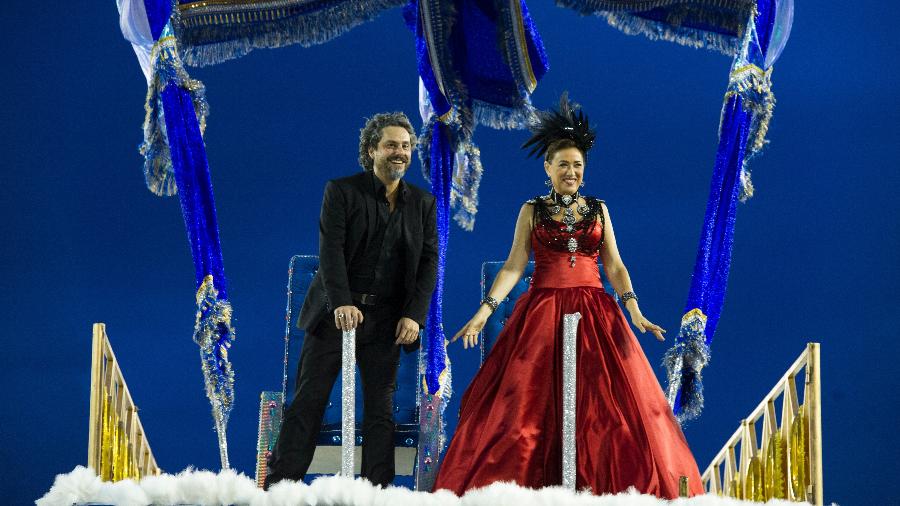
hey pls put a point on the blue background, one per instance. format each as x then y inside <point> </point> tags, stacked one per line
<point>83,240</point>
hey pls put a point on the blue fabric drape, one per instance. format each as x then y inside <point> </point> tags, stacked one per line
<point>213,32</point>
<point>710,24</point>
<point>175,160</point>
<point>194,185</point>
<point>213,331</point>
<point>468,79</point>
<point>440,154</point>
<point>158,14</point>
<point>745,117</point>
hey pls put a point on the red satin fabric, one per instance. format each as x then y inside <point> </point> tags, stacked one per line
<point>510,418</point>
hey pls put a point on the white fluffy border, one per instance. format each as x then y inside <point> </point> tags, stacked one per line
<point>230,488</point>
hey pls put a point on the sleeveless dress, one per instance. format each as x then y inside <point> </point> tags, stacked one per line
<point>510,422</point>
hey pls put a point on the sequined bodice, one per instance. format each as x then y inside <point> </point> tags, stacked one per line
<point>553,243</point>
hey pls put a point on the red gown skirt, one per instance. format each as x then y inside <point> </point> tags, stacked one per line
<point>510,418</point>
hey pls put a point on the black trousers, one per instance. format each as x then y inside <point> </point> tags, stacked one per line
<point>320,362</point>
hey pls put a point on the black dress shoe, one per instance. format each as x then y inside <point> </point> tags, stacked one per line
<point>271,479</point>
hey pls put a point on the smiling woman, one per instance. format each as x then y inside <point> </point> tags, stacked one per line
<point>509,423</point>
<point>565,166</point>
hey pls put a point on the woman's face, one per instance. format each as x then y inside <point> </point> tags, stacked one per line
<point>566,170</point>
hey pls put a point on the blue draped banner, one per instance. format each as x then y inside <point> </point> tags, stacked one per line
<point>213,331</point>
<point>711,24</point>
<point>438,152</point>
<point>754,33</point>
<point>466,79</point>
<point>175,162</point>
<point>212,32</point>
<point>745,117</point>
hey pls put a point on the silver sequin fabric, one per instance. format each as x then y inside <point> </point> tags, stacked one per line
<point>348,402</point>
<point>570,344</point>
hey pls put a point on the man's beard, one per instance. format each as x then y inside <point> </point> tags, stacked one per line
<point>393,172</point>
<point>396,173</point>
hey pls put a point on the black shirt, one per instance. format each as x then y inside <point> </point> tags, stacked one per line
<point>378,270</point>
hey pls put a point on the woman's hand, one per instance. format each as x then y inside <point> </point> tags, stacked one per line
<point>644,325</point>
<point>471,329</point>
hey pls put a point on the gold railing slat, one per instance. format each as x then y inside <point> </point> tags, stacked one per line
<point>117,444</point>
<point>786,463</point>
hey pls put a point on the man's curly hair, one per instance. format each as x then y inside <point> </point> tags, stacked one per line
<point>370,135</point>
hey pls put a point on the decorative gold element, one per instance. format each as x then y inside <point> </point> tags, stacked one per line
<point>775,473</point>
<point>214,334</point>
<point>741,72</point>
<point>735,490</point>
<point>166,42</point>
<point>240,4</point>
<point>789,457</point>
<point>754,85</point>
<point>753,482</point>
<point>117,446</point>
<point>799,453</point>
<point>425,16</point>
<point>683,490</point>
<point>104,471</point>
<point>522,46</point>
<point>121,453</point>
<point>692,315</point>
<point>208,3</point>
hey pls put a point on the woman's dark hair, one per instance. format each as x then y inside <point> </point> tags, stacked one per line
<point>561,144</point>
<point>370,135</point>
<point>553,128</point>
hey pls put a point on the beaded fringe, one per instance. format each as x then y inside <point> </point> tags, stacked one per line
<point>211,44</point>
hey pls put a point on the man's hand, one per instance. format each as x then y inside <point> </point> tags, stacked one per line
<point>347,317</point>
<point>407,331</point>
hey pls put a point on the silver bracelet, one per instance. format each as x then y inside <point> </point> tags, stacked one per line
<point>626,296</point>
<point>491,302</point>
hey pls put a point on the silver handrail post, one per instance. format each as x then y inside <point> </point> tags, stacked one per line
<point>570,345</point>
<point>348,402</point>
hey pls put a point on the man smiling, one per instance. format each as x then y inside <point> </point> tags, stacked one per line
<point>377,270</point>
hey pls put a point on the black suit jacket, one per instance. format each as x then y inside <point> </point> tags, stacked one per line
<point>348,213</point>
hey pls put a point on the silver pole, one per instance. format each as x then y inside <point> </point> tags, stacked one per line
<point>348,402</point>
<point>570,343</point>
<point>223,443</point>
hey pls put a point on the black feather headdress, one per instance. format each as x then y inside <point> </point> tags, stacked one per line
<point>569,122</point>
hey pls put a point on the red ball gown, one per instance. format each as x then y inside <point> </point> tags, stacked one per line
<point>510,422</point>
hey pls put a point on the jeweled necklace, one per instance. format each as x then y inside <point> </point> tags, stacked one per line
<point>564,203</point>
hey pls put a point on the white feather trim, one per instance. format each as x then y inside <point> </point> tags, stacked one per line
<point>192,487</point>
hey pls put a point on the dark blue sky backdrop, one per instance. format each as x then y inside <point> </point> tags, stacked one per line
<point>84,241</point>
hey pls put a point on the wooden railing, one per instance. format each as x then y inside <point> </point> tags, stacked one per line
<point>117,444</point>
<point>787,463</point>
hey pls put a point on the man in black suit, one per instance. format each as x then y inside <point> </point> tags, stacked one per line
<point>377,270</point>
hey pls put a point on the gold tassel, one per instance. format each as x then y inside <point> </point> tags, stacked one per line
<point>105,472</point>
<point>119,461</point>
<point>736,491</point>
<point>799,452</point>
<point>776,469</point>
<point>753,483</point>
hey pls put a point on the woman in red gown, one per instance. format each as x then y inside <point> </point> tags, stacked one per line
<point>511,414</point>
